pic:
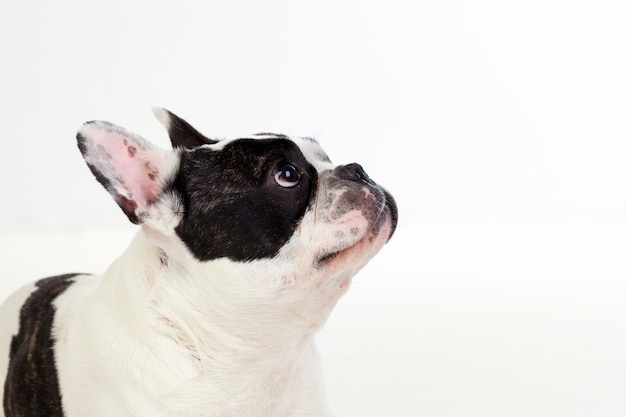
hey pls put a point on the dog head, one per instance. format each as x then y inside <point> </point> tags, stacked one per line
<point>266,199</point>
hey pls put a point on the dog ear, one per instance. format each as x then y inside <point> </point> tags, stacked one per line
<point>181,133</point>
<point>131,169</point>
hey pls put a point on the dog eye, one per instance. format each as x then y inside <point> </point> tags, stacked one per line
<point>286,175</point>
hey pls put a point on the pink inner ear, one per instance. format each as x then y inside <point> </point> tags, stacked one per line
<point>132,165</point>
<point>138,166</point>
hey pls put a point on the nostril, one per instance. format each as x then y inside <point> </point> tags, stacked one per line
<point>353,172</point>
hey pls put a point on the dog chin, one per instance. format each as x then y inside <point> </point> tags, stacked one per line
<point>363,249</point>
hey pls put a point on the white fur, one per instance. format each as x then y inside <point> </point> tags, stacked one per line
<point>162,334</point>
<point>188,339</point>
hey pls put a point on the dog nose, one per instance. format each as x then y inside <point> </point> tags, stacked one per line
<point>353,172</point>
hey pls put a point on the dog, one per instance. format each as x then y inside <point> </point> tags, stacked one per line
<point>245,246</point>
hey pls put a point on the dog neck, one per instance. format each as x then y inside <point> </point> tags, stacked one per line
<point>247,318</point>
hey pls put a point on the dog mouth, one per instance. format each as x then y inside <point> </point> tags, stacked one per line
<point>322,261</point>
<point>360,246</point>
<point>386,220</point>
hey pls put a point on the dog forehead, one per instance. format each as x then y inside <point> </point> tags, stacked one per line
<point>313,153</point>
<point>309,147</point>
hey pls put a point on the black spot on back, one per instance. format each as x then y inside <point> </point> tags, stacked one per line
<point>32,388</point>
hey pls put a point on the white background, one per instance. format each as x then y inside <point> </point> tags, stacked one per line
<point>499,127</point>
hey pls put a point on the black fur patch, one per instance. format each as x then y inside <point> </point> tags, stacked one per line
<point>32,387</point>
<point>233,207</point>
<point>183,135</point>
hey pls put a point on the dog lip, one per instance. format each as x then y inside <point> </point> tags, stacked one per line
<point>386,215</point>
<point>388,212</point>
<point>390,209</point>
<point>326,258</point>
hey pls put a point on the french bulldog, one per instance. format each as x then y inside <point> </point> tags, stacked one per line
<point>245,247</point>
